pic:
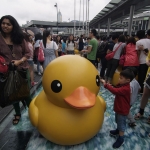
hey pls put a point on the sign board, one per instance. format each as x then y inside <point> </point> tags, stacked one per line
<point>146,18</point>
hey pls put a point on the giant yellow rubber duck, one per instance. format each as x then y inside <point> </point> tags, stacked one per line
<point>115,79</point>
<point>116,76</point>
<point>77,52</point>
<point>68,110</point>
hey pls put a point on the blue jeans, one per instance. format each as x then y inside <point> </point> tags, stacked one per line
<point>38,66</point>
<point>70,52</point>
<point>121,122</point>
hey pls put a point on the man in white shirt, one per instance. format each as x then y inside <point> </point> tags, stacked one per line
<point>145,43</point>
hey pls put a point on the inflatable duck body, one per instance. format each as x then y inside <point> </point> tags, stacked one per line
<point>116,76</point>
<point>68,110</point>
<point>115,79</point>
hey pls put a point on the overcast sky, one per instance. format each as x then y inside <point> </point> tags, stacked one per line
<point>44,10</point>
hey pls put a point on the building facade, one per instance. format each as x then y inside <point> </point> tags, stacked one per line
<point>59,16</point>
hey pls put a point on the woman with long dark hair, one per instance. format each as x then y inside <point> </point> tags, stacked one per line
<point>50,48</point>
<point>63,46</point>
<point>81,43</point>
<point>70,45</point>
<point>15,50</point>
<point>114,62</point>
<point>30,60</point>
<point>131,56</point>
<point>38,39</point>
<point>59,44</point>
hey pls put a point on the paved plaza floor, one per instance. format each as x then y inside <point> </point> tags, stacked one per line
<point>25,137</point>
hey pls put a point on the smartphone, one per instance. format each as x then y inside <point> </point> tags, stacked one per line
<point>146,50</point>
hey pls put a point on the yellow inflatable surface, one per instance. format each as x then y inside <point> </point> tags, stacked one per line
<point>76,51</point>
<point>68,110</point>
<point>116,76</point>
<point>115,79</point>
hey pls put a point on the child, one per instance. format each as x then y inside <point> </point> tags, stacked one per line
<point>135,89</point>
<point>121,104</point>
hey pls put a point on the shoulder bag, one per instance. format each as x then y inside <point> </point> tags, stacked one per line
<point>15,86</point>
<point>3,65</point>
<point>111,54</point>
<point>41,57</point>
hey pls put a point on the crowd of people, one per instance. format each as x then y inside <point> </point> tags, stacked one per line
<point>22,49</point>
<point>136,52</point>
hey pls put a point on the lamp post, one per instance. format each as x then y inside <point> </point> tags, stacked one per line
<point>79,14</point>
<point>74,17</point>
<point>83,16</point>
<point>57,16</point>
<point>88,19</point>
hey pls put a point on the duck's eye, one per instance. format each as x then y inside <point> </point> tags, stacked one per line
<point>97,80</point>
<point>56,86</point>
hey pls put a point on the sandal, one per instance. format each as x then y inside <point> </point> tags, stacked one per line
<point>34,83</point>
<point>138,116</point>
<point>16,119</point>
<point>132,124</point>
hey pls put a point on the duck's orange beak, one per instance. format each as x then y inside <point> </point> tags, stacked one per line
<point>81,98</point>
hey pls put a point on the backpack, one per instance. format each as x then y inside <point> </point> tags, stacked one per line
<point>3,65</point>
<point>101,49</point>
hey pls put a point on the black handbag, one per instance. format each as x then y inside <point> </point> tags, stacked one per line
<point>14,86</point>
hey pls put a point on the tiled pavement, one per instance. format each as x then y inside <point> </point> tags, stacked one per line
<point>4,112</point>
<point>25,137</point>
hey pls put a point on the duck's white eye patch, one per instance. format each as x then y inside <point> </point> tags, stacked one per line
<point>58,84</point>
<point>97,80</point>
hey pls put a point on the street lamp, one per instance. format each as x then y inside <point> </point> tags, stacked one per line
<point>87,18</point>
<point>74,18</point>
<point>57,16</point>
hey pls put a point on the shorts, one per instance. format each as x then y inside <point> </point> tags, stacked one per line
<point>30,62</point>
<point>69,52</point>
<point>121,122</point>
